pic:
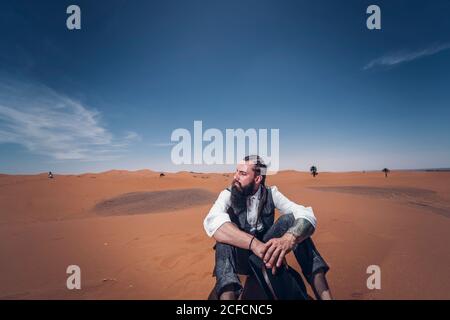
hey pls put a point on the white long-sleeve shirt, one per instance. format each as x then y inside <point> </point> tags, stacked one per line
<point>218,214</point>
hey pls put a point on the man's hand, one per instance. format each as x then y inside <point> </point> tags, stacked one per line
<point>258,248</point>
<point>276,249</point>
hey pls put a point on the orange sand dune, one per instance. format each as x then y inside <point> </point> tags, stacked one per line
<point>399,223</point>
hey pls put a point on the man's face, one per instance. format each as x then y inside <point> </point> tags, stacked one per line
<point>245,179</point>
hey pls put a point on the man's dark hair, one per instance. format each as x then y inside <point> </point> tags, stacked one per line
<point>260,168</point>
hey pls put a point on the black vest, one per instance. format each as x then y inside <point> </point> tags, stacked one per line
<point>266,214</point>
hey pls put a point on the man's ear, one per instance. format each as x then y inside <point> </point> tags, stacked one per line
<point>258,179</point>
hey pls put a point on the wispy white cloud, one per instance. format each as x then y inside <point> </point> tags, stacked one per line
<point>401,57</point>
<point>48,123</point>
<point>132,136</point>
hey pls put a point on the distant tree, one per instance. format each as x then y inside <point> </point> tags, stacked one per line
<point>313,170</point>
<point>386,171</point>
<point>162,175</point>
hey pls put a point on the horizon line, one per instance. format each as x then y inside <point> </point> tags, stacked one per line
<point>440,169</point>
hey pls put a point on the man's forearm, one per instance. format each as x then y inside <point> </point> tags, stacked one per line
<point>230,234</point>
<point>301,229</point>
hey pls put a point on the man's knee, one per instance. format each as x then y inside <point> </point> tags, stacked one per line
<point>286,219</point>
<point>279,228</point>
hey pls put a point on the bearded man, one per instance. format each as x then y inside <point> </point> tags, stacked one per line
<point>242,222</point>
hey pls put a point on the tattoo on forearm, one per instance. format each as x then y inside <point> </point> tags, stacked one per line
<point>301,229</point>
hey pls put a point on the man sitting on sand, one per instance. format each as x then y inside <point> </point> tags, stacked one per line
<point>242,222</point>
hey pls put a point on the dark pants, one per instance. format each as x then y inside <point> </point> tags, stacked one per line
<point>231,261</point>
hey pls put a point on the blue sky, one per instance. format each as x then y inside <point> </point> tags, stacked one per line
<point>108,96</point>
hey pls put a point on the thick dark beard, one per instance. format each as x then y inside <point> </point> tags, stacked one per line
<point>239,196</point>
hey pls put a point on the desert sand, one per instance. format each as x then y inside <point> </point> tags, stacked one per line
<point>136,235</point>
